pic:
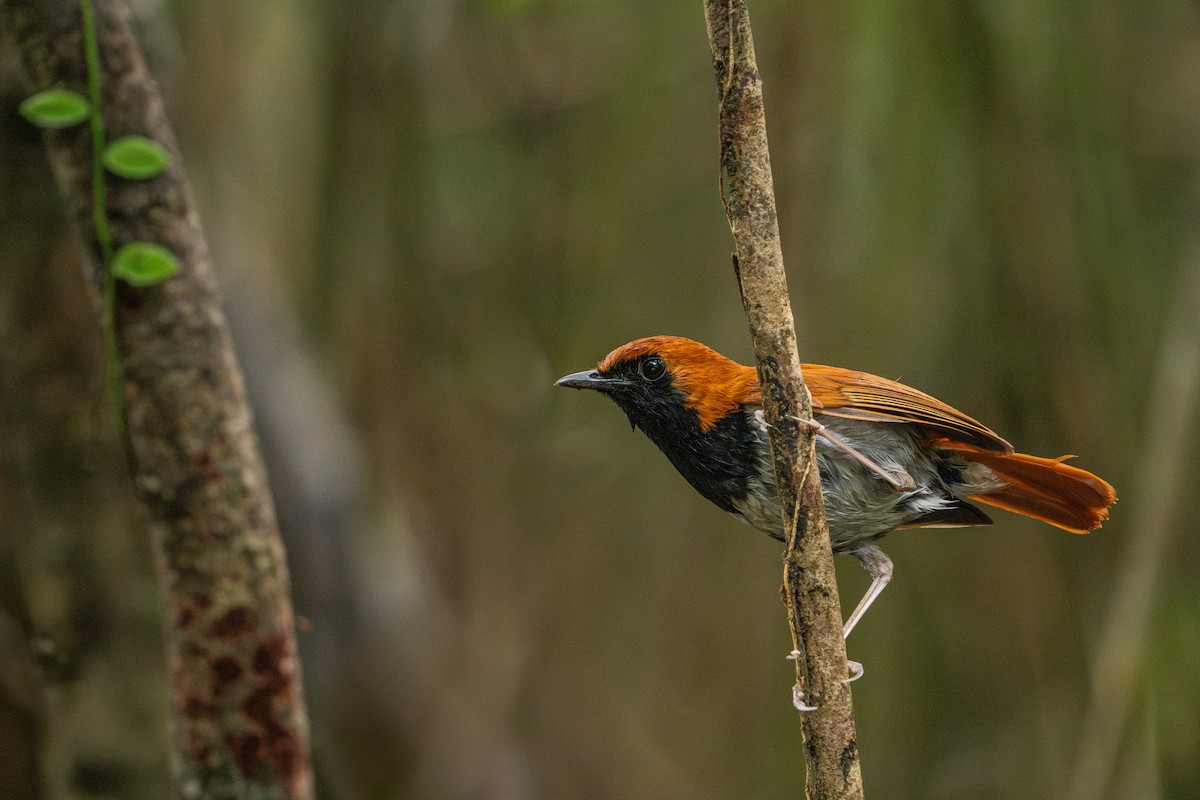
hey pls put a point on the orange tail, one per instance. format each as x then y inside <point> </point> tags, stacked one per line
<point>1046,489</point>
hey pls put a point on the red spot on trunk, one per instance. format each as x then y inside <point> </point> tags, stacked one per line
<point>185,617</point>
<point>195,708</point>
<point>225,670</point>
<point>245,747</point>
<point>236,622</point>
<point>270,709</point>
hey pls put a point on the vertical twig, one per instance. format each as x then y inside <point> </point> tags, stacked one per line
<point>814,613</point>
<point>238,723</point>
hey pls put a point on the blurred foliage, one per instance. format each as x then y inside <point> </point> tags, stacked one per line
<point>455,203</point>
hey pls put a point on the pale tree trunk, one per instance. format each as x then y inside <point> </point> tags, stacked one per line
<point>238,724</point>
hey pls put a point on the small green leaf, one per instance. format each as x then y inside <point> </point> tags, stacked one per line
<point>55,108</point>
<point>135,157</point>
<point>144,264</point>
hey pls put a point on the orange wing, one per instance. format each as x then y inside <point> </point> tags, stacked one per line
<point>851,394</point>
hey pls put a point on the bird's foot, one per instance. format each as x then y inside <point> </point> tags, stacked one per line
<point>798,700</point>
<point>797,692</point>
<point>854,671</point>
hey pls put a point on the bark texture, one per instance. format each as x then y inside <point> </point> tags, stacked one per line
<point>810,583</point>
<point>238,722</point>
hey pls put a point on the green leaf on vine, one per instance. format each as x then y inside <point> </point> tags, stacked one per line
<point>144,264</point>
<point>55,108</point>
<point>135,157</point>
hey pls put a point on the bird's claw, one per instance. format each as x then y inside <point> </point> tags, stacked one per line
<point>797,692</point>
<point>798,700</point>
<point>854,668</point>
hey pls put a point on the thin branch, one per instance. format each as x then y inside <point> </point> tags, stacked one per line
<point>814,612</point>
<point>238,723</point>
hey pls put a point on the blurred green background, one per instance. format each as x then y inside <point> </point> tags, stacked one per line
<point>423,213</point>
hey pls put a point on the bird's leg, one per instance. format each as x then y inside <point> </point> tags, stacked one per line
<point>899,483</point>
<point>880,566</point>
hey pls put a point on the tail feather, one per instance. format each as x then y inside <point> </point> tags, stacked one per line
<point>1045,488</point>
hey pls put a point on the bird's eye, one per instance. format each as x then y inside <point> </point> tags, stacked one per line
<point>652,368</point>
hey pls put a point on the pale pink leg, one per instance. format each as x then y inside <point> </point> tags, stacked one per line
<point>880,567</point>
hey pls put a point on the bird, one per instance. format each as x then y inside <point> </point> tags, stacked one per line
<point>890,457</point>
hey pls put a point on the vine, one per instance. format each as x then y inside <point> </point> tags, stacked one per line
<point>140,264</point>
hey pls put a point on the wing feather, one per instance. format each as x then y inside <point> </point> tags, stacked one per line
<point>851,394</point>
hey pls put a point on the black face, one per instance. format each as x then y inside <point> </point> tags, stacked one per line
<point>644,391</point>
<point>718,462</point>
<point>642,388</point>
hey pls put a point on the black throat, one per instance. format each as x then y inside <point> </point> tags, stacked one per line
<point>718,462</point>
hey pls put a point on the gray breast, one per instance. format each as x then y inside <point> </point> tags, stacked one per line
<point>859,505</point>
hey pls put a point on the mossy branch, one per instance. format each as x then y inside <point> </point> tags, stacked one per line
<point>813,609</point>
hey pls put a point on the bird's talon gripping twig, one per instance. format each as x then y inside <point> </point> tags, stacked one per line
<point>797,692</point>
<point>855,668</point>
<point>798,700</point>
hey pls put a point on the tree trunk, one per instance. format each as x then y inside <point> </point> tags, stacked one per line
<point>238,722</point>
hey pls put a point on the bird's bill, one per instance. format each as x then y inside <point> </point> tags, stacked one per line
<point>588,379</point>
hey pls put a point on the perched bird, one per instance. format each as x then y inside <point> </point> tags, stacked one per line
<point>889,456</point>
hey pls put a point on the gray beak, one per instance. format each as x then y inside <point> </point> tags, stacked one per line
<point>590,379</point>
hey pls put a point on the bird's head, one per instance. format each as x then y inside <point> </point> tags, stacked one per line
<point>670,381</point>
